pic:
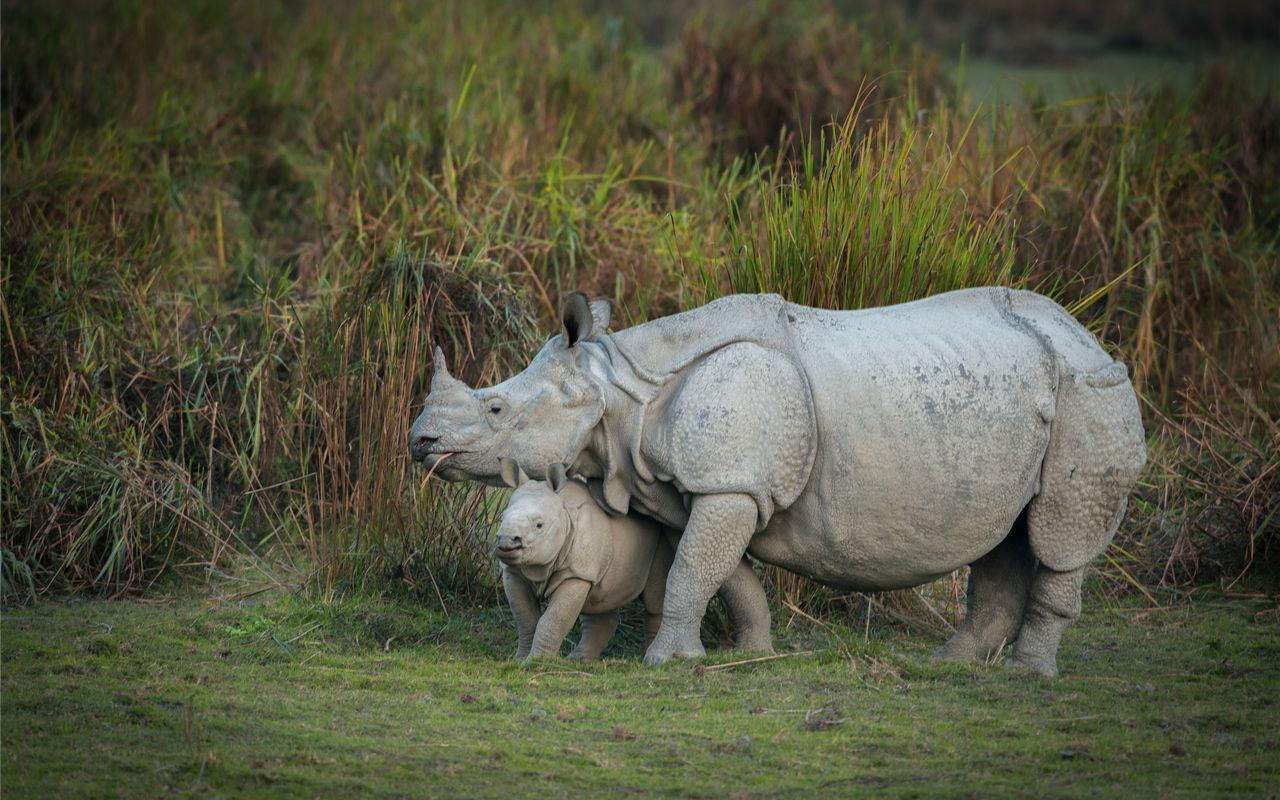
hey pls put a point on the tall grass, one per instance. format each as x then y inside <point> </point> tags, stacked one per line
<point>232,232</point>
<point>868,218</point>
<point>220,284</point>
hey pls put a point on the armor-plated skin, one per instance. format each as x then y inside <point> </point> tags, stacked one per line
<point>557,546</point>
<point>869,450</point>
<point>461,432</point>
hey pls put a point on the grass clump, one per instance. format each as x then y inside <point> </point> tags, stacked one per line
<point>876,222</point>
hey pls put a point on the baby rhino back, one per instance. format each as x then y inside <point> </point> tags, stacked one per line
<point>630,542</point>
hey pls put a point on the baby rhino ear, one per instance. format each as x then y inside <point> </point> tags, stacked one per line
<point>556,477</point>
<point>511,473</point>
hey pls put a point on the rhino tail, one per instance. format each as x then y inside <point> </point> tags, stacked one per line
<point>1096,451</point>
<point>1111,375</point>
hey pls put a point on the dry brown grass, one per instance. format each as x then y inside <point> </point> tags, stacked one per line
<point>233,233</point>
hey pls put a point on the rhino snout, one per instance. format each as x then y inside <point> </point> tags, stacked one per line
<point>508,546</point>
<point>420,445</point>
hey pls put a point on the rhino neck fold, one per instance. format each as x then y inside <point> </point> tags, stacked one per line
<point>613,454</point>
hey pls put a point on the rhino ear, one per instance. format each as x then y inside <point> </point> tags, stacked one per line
<point>601,313</point>
<point>584,320</point>
<point>511,473</point>
<point>557,477</point>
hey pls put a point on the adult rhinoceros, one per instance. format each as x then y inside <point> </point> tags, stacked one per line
<point>869,450</point>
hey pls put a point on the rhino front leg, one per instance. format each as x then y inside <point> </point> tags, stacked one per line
<point>654,595</point>
<point>597,630</point>
<point>719,528</point>
<point>748,608</point>
<point>524,607</point>
<point>1053,605</point>
<point>558,618</point>
<point>743,598</point>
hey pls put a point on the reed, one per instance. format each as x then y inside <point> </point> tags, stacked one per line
<point>232,232</point>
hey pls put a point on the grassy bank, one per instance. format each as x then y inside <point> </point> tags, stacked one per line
<point>201,696</point>
<point>233,233</point>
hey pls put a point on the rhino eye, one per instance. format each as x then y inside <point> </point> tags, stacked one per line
<point>538,525</point>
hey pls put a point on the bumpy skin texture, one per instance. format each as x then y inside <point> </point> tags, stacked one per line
<point>869,450</point>
<point>557,546</point>
<point>474,427</point>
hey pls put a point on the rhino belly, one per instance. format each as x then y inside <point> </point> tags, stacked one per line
<point>930,444</point>
<point>809,540</point>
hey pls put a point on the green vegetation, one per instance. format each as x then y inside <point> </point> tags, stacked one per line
<point>227,255</point>
<point>233,232</point>
<point>878,222</point>
<point>204,697</point>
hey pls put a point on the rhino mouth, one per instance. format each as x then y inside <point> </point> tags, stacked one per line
<point>432,458</point>
<point>507,553</point>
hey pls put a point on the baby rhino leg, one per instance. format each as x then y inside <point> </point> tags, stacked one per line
<point>655,589</point>
<point>597,630</point>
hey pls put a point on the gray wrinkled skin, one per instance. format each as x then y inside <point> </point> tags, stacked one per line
<point>462,433</point>
<point>869,450</point>
<point>558,546</point>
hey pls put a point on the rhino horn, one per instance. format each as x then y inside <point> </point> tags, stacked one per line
<point>441,378</point>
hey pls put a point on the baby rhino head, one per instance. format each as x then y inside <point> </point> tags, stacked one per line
<point>535,525</point>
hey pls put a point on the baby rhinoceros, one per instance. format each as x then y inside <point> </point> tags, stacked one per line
<point>557,546</point>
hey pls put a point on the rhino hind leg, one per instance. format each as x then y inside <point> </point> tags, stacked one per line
<point>597,630</point>
<point>748,608</point>
<point>1069,523</point>
<point>997,598</point>
<point>1053,605</point>
<point>1096,451</point>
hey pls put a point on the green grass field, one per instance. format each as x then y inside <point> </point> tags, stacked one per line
<point>232,231</point>
<point>200,696</point>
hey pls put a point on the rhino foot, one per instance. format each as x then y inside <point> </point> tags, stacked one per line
<point>1047,667</point>
<point>754,642</point>
<point>661,652</point>
<point>964,647</point>
<point>581,657</point>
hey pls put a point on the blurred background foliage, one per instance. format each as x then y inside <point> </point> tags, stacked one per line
<point>233,231</point>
